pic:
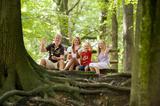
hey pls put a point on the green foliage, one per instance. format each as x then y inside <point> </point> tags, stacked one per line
<point>43,19</point>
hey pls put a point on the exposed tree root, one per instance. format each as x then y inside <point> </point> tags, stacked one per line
<point>103,85</point>
<point>47,101</point>
<point>90,85</point>
<point>22,93</point>
<point>119,74</point>
<point>76,103</point>
<point>126,83</point>
<point>68,89</point>
<point>74,87</point>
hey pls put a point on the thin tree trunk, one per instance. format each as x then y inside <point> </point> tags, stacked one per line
<point>114,36</point>
<point>64,20</point>
<point>128,36</point>
<point>103,21</point>
<point>62,8</point>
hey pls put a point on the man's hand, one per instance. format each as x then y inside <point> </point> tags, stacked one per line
<point>57,58</point>
<point>43,41</point>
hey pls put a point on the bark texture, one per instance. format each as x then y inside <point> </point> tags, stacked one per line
<point>114,36</point>
<point>15,67</point>
<point>128,36</point>
<point>147,61</point>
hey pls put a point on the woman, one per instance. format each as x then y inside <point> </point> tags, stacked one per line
<point>103,58</point>
<point>72,54</point>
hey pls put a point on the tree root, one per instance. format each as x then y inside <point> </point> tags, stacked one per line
<point>89,84</point>
<point>75,103</point>
<point>102,85</point>
<point>120,75</point>
<point>70,90</point>
<point>72,86</point>
<point>127,82</point>
<point>22,93</point>
<point>47,101</point>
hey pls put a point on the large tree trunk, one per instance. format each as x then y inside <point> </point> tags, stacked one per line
<point>114,35</point>
<point>15,68</point>
<point>128,35</point>
<point>148,36</point>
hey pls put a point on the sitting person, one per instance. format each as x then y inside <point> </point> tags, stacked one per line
<point>103,58</point>
<point>72,57</point>
<point>56,54</point>
<point>85,57</point>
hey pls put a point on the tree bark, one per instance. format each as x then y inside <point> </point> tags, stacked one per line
<point>114,36</point>
<point>135,63</point>
<point>15,68</point>
<point>103,26</point>
<point>148,36</point>
<point>127,36</point>
<point>64,21</point>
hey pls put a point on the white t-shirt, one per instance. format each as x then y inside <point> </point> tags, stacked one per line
<point>69,49</point>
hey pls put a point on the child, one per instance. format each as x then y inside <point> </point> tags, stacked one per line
<point>103,58</point>
<point>85,56</point>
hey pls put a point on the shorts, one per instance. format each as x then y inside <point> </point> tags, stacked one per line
<point>82,68</point>
<point>100,65</point>
<point>51,65</point>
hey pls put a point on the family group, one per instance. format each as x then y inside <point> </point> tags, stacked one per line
<point>75,57</point>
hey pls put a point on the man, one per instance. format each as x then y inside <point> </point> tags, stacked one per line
<point>56,54</point>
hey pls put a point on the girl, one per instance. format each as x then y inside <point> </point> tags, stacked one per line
<point>103,58</point>
<point>72,54</point>
<point>85,57</point>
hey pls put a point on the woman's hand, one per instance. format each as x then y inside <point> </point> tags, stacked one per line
<point>69,56</point>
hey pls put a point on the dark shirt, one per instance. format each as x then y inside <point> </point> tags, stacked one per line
<point>53,51</point>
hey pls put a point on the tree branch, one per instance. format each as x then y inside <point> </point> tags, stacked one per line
<point>73,7</point>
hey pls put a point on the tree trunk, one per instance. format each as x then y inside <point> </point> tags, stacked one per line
<point>62,8</point>
<point>103,26</point>
<point>114,36</point>
<point>64,19</point>
<point>148,61</point>
<point>16,70</point>
<point>128,36</point>
<point>135,63</point>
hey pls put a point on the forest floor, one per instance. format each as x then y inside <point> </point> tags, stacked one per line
<point>112,89</point>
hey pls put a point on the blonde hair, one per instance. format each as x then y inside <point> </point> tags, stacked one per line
<point>88,44</point>
<point>104,43</point>
<point>58,35</point>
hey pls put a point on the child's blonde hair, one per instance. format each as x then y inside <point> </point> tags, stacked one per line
<point>88,44</point>
<point>104,43</point>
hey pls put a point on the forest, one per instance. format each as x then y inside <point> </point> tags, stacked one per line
<point>129,28</point>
